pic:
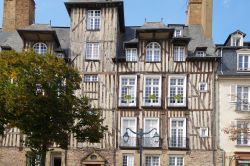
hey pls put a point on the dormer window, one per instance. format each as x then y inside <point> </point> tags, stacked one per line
<point>200,53</point>
<point>40,48</point>
<point>177,33</point>
<point>236,41</point>
<point>131,54</point>
<point>153,52</point>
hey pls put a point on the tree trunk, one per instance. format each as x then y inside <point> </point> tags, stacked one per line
<point>43,155</point>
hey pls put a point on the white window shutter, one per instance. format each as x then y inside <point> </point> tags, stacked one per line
<point>233,93</point>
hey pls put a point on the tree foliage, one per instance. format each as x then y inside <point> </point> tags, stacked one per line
<point>37,96</point>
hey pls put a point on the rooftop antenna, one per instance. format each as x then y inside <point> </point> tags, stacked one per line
<point>145,19</point>
<point>162,19</point>
<point>50,22</point>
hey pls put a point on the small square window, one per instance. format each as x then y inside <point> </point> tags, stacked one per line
<point>203,87</point>
<point>177,33</point>
<point>200,53</point>
<point>90,78</point>
<point>203,132</point>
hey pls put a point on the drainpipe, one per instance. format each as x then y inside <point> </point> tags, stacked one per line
<point>65,157</point>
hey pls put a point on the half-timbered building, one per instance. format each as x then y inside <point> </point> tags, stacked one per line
<point>157,79</point>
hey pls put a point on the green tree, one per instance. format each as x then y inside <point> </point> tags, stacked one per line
<point>37,95</point>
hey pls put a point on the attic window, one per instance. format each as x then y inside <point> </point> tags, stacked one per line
<point>40,48</point>
<point>236,41</point>
<point>200,53</point>
<point>177,33</point>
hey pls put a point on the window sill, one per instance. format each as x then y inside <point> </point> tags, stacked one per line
<point>93,30</point>
<point>180,61</point>
<point>175,106</point>
<point>90,60</point>
<point>152,61</point>
<point>242,146</point>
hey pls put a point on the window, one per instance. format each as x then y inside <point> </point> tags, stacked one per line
<point>152,161</point>
<point>128,160</point>
<point>149,124</point>
<point>200,53</point>
<point>32,159</point>
<point>243,98</point>
<point>243,62</point>
<point>92,51</point>
<point>56,160</point>
<point>90,78</point>
<point>153,52</point>
<point>127,90</point>
<point>128,123</point>
<point>176,161</point>
<point>152,91</point>
<point>179,53</point>
<point>236,41</point>
<point>243,131</point>
<point>131,54</point>
<point>94,20</point>
<point>203,87</point>
<point>40,48</point>
<point>203,132</point>
<point>178,133</point>
<point>177,33</point>
<point>177,91</point>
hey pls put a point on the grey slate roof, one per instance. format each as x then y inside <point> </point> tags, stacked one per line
<point>13,39</point>
<point>194,32</point>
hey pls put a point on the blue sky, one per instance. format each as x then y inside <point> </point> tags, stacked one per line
<point>229,15</point>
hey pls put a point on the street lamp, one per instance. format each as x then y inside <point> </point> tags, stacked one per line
<point>140,134</point>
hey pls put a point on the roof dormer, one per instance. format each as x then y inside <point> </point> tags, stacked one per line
<point>236,39</point>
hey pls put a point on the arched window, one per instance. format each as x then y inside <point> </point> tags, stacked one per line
<point>40,48</point>
<point>153,52</point>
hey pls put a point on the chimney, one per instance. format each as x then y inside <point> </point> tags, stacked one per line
<point>18,14</point>
<point>201,12</point>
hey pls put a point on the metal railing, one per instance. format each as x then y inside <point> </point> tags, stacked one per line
<point>127,101</point>
<point>177,102</point>
<point>147,142</point>
<point>178,142</point>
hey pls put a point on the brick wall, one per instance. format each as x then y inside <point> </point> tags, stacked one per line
<point>18,14</point>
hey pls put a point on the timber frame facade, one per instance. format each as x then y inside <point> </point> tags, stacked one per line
<point>151,77</point>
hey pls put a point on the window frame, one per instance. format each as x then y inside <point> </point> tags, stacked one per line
<point>89,26</point>
<point>234,42</point>
<point>242,122</point>
<point>152,133</point>
<point>151,158</point>
<point>40,51</point>
<point>159,90</point>
<point>205,87</point>
<point>238,62</point>
<point>153,50</point>
<point>92,57</point>
<point>184,138</point>
<point>176,34</point>
<point>178,58</point>
<point>129,58</point>
<point>135,91</point>
<point>184,104</point>
<point>200,53</point>
<point>206,133</point>
<point>134,144</point>
<point>175,158</point>
<point>91,78</point>
<point>128,164</point>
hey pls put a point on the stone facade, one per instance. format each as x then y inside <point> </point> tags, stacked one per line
<point>200,12</point>
<point>18,14</point>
